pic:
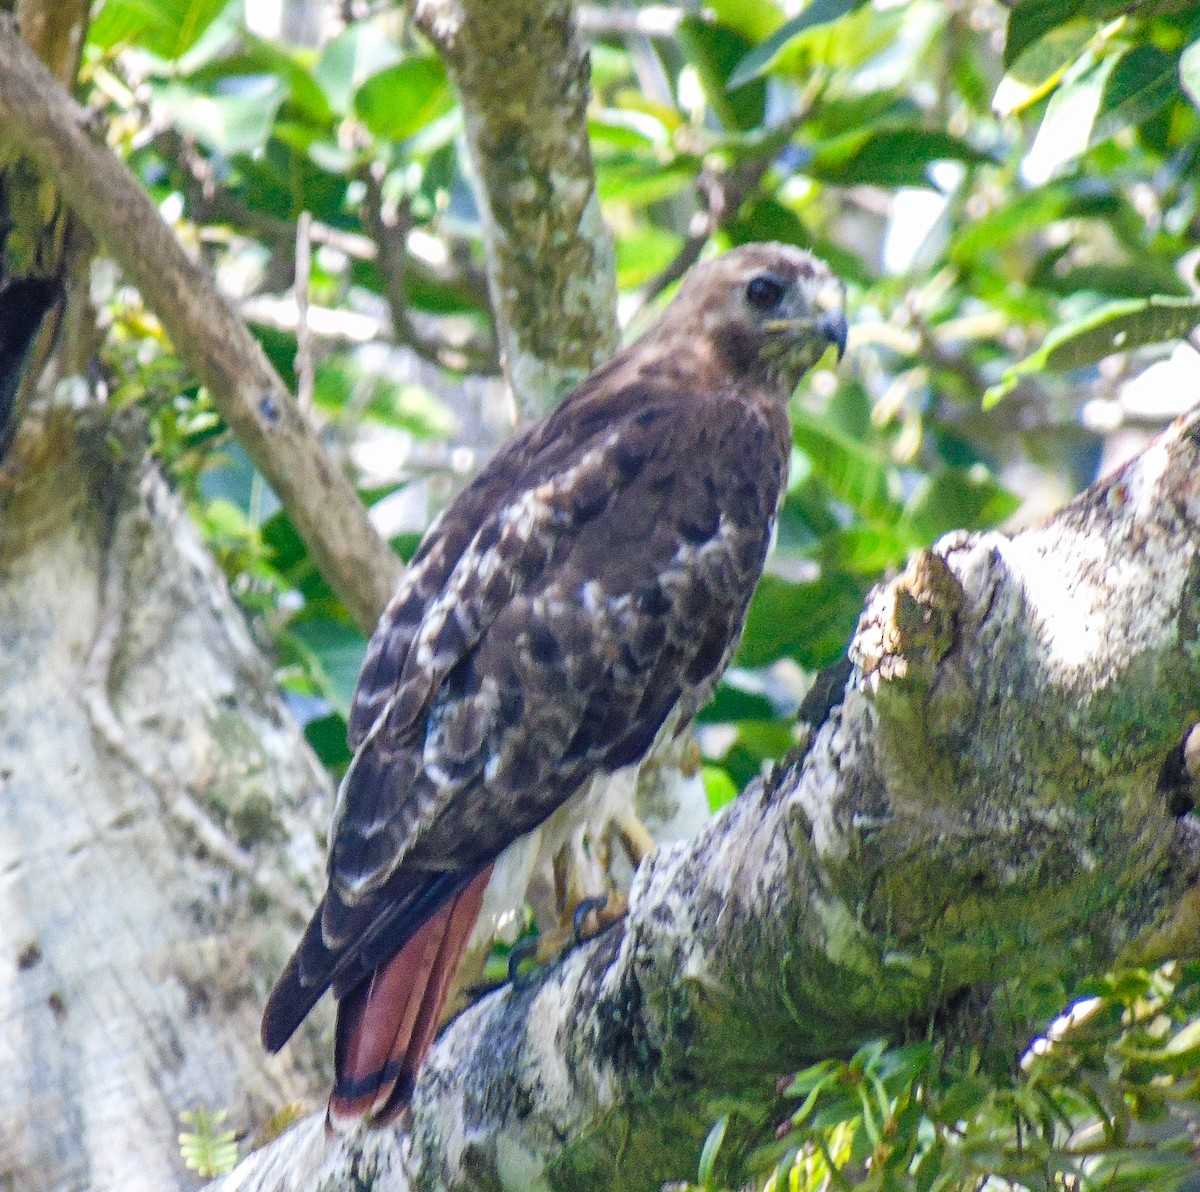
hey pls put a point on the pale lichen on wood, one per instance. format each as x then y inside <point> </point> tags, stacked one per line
<point>138,728</point>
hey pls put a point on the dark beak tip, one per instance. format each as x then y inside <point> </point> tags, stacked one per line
<point>837,331</point>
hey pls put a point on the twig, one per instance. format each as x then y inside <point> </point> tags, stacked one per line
<point>389,230</point>
<point>304,339</point>
<point>659,21</point>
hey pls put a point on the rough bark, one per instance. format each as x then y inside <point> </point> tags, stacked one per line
<point>155,797</point>
<point>38,115</point>
<point>521,70</point>
<point>984,804</point>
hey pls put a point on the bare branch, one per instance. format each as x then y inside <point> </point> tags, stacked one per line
<point>390,231</point>
<point>42,119</point>
<point>983,804</point>
<point>304,341</point>
<point>650,20</point>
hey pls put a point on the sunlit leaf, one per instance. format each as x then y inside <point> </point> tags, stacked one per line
<point>238,121</point>
<point>205,1148</point>
<point>1040,66</point>
<point>867,548</point>
<point>642,181</point>
<point>645,252</point>
<point>1118,327</point>
<point>708,1154</point>
<point>1066,128</point>
<point>754,19</point>
<point>399,101</point>
<point>166,28</point>
<point>1189,72</point>
<point>1030,20</point>
<point>719,788</point>
<point>818,12</point>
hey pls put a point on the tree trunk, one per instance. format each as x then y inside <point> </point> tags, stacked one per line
<point>521,71</point>
<point>156,798</point>
<point>991,800</point>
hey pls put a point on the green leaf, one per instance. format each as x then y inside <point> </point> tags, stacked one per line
<point>868,548</point>
<point>327,736</point>
<point>338,649</point>
<point>1031,20</point>
<point>754,19</point>
<point>1066,128</point>
<point>708,1155</point>
<point>340,381</point>
<point>259,57</point>
<point>757,742</point>
<point>819,12</point>
<point>714,50</point>
<point>809,622</point>
<point>399,101</point>
<point>897,156</point>
<point>644,253</point>
<point>718,787</point>
<point>955,499</point>
<point>1117,327</point>
<point>228,124</point>
<point>855,473</point>
<point>166,28</point>
<point>642,181</point>
<point>732,702</point>
<point>363,50</point>
<point>1141,83</point>
<point>1040,66</point>
<point>206,1150</point>
<point>1189,72</point>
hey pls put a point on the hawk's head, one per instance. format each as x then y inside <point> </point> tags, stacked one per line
<point>770,312</point>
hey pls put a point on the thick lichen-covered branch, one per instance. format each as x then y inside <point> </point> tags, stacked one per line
<point>985,803</point>
<point>521,71</point>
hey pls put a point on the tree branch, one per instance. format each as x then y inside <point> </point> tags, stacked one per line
<point>521,70</point>
<point>984,803</point>
<point>47,125</point>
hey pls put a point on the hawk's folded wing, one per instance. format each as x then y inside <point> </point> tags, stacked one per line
<point>590,582</point>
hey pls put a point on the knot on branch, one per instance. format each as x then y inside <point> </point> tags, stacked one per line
<point>909,625</point>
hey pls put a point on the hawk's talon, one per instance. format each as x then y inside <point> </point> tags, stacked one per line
<point>579,919</point>
<point>523,950</point>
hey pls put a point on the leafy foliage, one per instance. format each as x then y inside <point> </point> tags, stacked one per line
<point>1107,1099</point>
<point>207,1150</point>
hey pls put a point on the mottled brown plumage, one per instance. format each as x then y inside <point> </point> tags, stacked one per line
<point>586,590</point>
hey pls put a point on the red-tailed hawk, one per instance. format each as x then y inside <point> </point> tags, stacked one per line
<point>575,602</point>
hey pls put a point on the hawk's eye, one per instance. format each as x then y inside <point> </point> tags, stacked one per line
<point>765,292</point>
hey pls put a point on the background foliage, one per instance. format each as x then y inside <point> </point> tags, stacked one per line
<point>1011,194</point>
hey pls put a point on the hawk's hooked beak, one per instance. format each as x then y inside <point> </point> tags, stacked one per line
<point>834,328</point>
<point>830,326</point>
